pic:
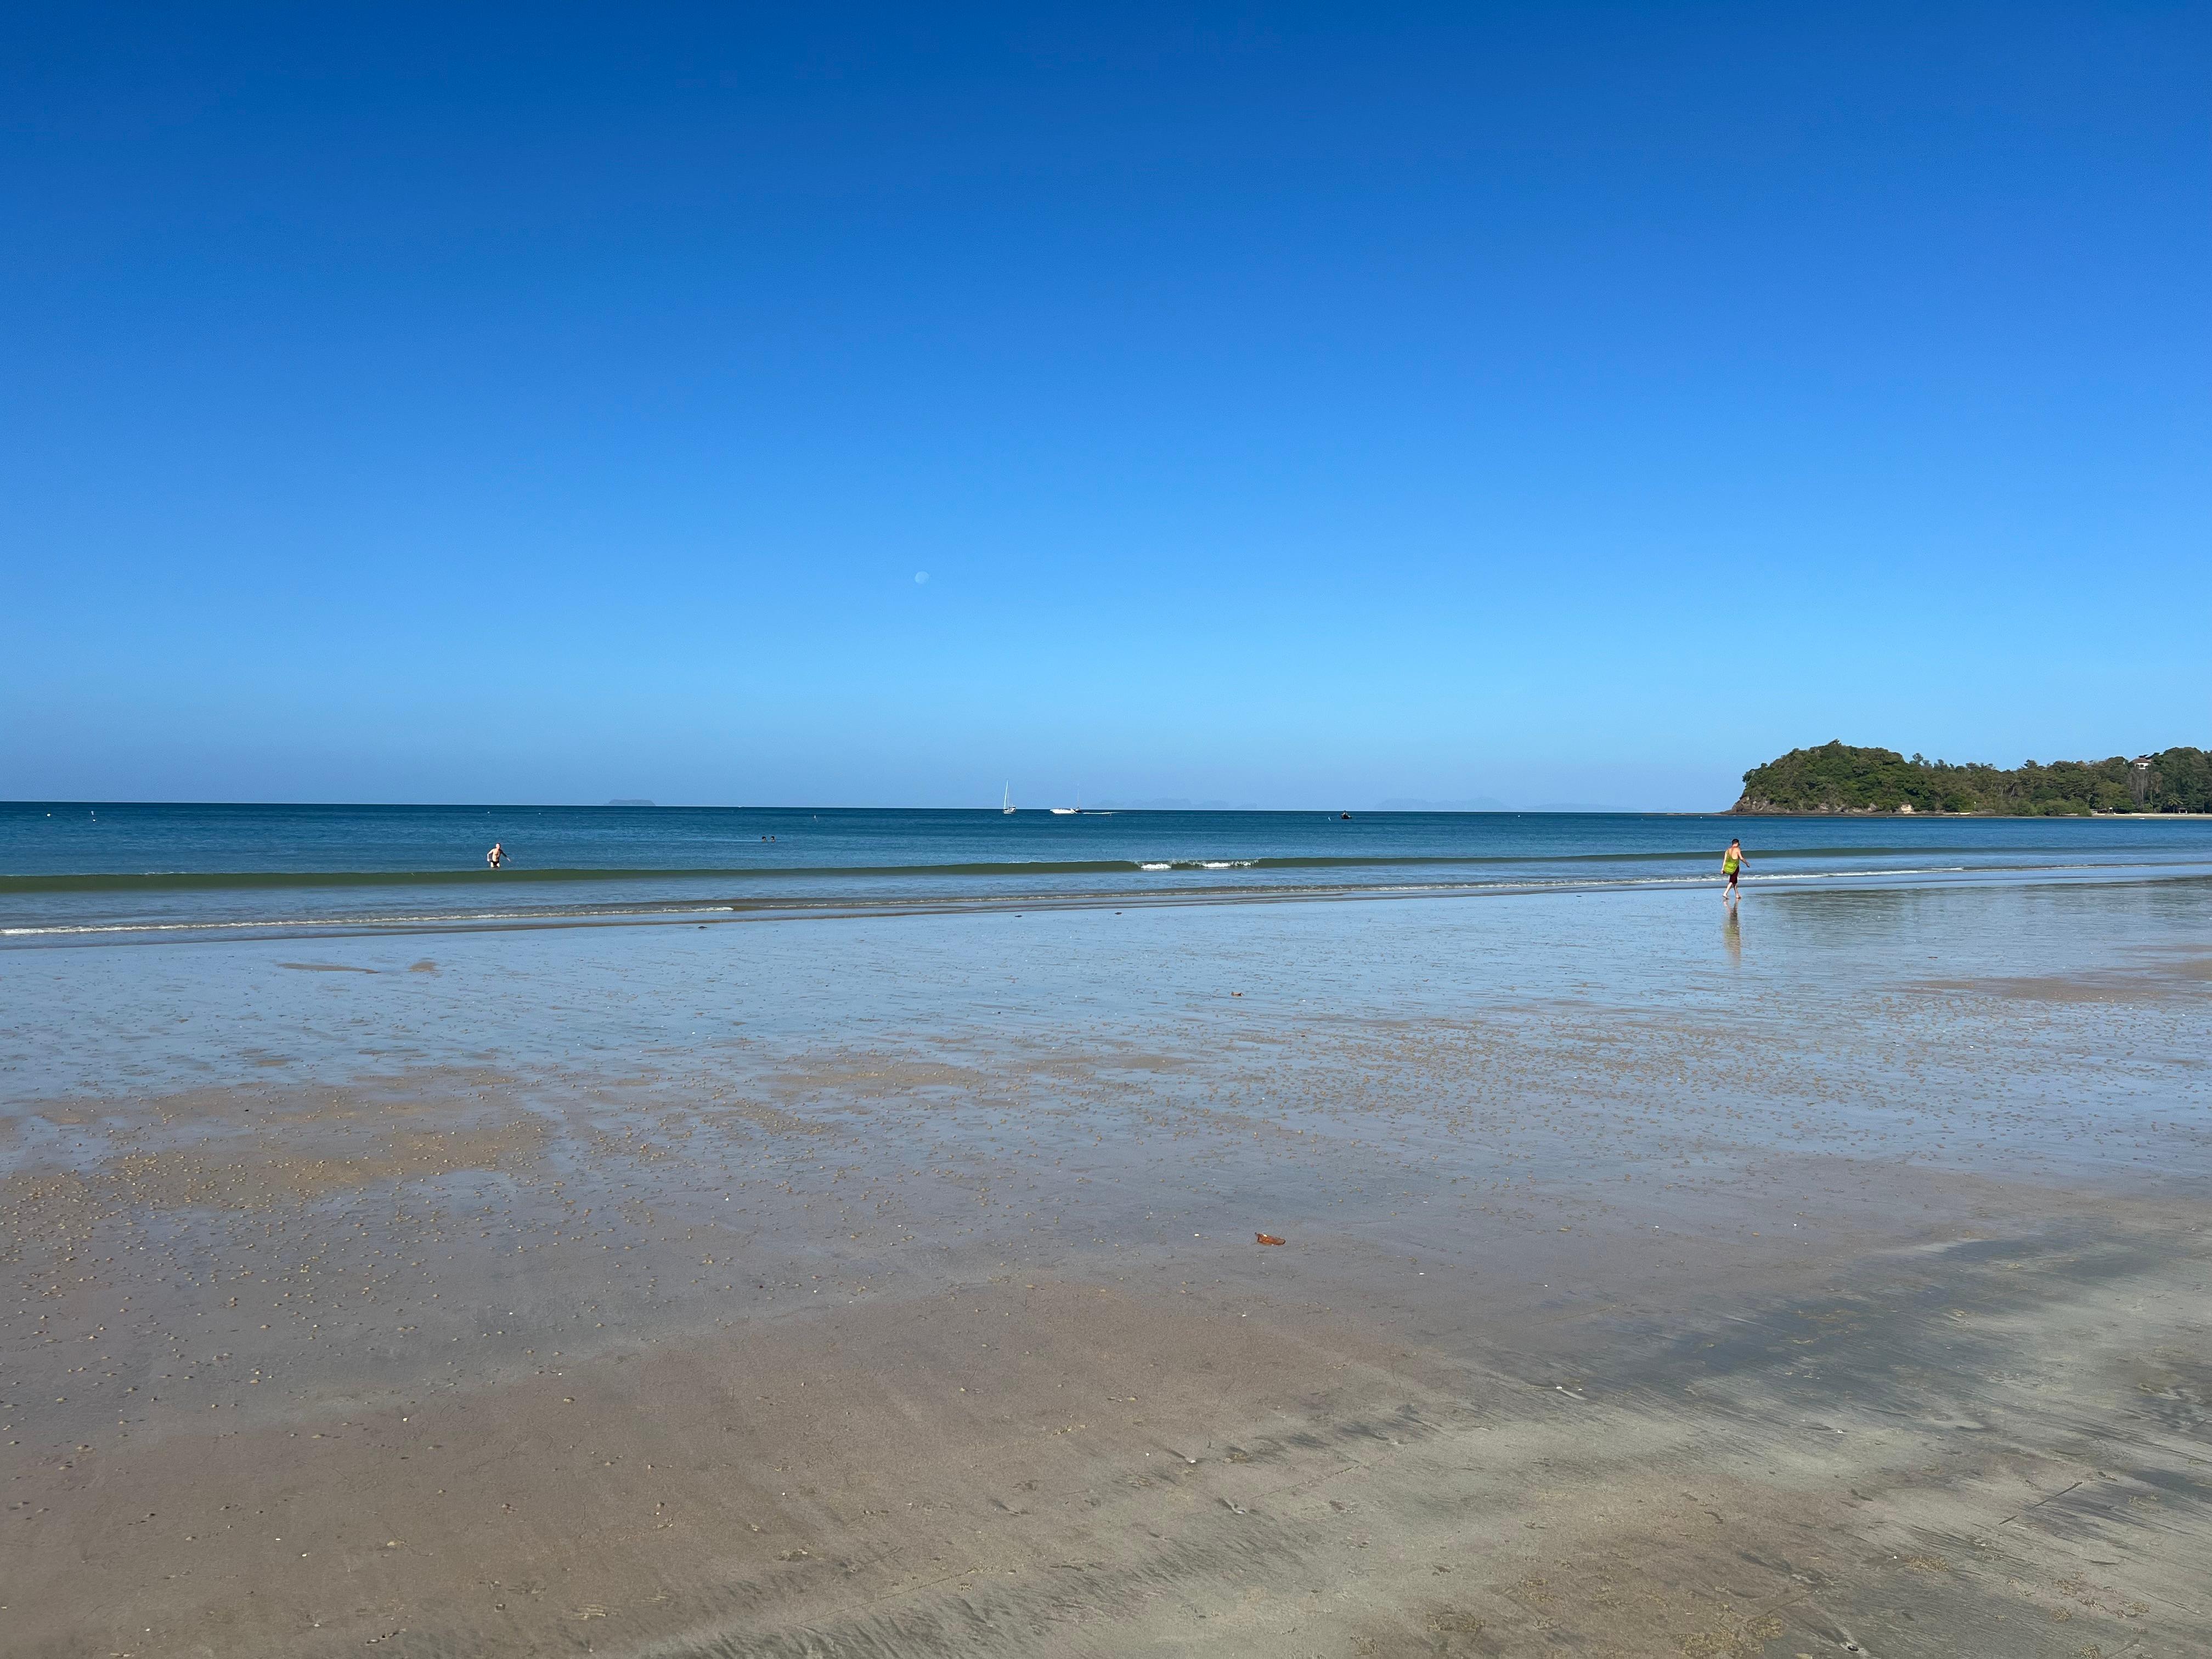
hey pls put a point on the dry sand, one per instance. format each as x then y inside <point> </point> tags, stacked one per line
<point>1794,1298</point>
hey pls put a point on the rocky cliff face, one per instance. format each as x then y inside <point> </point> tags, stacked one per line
<point>1750,806</point>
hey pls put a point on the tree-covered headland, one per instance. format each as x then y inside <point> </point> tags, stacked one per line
<point>1837,778</point>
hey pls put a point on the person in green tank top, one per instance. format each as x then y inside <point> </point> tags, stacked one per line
<point>1732,867</point>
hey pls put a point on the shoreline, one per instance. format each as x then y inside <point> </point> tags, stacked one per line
<point>718,912</point>
<point>1995,817</point>
<point>264,874</point>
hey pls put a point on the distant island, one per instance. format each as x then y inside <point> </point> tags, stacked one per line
<point>629,801</point>
<point>1837,778</point>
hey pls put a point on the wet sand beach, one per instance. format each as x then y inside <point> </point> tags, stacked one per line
<point>1826,1279</point>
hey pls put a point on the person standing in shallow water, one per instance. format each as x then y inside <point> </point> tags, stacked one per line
<point>496,857</point>
<point>1732,867</point>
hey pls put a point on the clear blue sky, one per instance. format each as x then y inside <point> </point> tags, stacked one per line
<point>1297,405</point>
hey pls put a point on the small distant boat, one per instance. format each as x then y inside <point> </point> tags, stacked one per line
<point>1069,811</point>
<point>1009,805</point>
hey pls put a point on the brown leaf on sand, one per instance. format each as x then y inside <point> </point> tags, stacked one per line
<point>1269,1238</point>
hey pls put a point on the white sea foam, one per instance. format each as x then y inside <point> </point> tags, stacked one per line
<point>362,923</point>
<point>1837,875</point>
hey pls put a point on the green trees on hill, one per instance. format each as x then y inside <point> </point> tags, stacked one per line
<point>1837,778</point>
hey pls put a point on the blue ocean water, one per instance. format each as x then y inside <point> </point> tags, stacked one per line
<point>84,874</point>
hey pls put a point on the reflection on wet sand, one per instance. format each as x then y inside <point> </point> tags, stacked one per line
<point>889,1285</point>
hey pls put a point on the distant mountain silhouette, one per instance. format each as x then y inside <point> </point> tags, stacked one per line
<point>1175,803</point>
<point>1470,803</point>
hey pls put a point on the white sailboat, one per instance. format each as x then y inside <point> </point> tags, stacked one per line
<point>1009,805</point>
